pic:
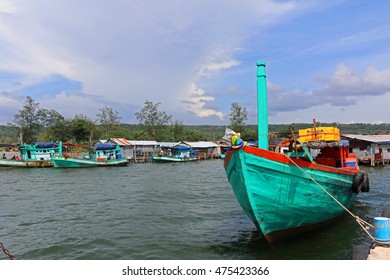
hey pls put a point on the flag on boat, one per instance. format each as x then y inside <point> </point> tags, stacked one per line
<point>228,135</point>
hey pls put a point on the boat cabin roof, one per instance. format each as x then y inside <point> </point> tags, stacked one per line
<point>41,145</point>
<point>105,147</point>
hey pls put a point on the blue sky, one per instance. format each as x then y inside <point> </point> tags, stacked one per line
<point>328,60</point>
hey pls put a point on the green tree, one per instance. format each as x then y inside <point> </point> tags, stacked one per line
<point>153,121</point>
<point>29,120</point>
<point>238,117</point>
<point>194,135</point>
<point>57,127</point>
<point>109,119</point>
<point>82,129</point>
<point>249,134</point>
<point>178,131</point>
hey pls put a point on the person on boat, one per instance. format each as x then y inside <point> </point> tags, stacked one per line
<point>17,158</point>
<point>4,157</point>
<point>13,157</point>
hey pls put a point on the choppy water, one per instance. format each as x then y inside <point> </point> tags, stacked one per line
<point>155,211</point>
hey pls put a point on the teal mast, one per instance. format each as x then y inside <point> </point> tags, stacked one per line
<point>262,108</point>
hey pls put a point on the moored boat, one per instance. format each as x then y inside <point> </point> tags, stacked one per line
<point>176,153</point>
<point>285,193</point>
<point>36,154</point>
<point>101,155</point>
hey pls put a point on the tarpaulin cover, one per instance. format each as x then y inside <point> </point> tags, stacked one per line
<point>181,148</point>
<point>44,145</point>
<point>105,146</point>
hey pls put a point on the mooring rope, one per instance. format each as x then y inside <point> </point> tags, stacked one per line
<point>5,251</point>
<point>359,220</point>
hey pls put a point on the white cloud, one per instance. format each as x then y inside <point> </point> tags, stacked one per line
<point>345,83</point>
<point>197,101</point>
<point>129,50</point>
<point>126,52</point>
<point>222,65</point>
<point>380,79</point>
<point>342,93</point>
<point>7,7</point>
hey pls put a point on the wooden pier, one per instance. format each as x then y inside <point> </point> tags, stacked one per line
<point>373,252</point>
<point>379,252</point>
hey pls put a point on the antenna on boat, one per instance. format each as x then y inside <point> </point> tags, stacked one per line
<point>262,108</point>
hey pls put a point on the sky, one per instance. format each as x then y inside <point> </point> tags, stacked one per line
<point>328,60</point>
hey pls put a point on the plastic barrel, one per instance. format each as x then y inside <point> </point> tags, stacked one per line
<point>382,229</point>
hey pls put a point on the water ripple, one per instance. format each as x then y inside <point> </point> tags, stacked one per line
<point>155,211</point>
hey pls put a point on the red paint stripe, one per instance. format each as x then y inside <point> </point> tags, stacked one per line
<point>300,162</point>
<point>227,158</point>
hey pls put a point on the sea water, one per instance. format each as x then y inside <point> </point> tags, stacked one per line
<point>181,211</point>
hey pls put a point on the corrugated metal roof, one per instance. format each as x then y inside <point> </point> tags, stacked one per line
<point>121,141</point>
<point>143,143</point>
<point>202,144</point>
<point>168,144</point>
<point>369,138</point>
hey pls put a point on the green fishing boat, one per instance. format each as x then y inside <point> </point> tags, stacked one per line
<point>101,155</point>
<point>287,193</point>
<point>36,154</point>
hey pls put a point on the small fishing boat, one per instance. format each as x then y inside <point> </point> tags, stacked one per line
<point>286,193</point>
<point>101,155</point>
<point>36,154</point>
<point>176,153</point>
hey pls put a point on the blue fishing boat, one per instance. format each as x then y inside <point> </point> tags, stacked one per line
<point>100,155</point>
<point>176,153</point>
<point>36,154</point>
<point>287,193</point>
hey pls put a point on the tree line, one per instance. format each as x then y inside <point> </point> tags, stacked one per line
<point>35,123</point>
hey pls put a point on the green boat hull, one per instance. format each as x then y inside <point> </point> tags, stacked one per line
<point>163,159</point>
<point>77,162</point>
<point>279,197</point>
<point>25,163</point>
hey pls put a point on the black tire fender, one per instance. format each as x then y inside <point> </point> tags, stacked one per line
<point>365,185</point>
<point>386,212</point>
<point>360,252</point>
<point>357,182</point>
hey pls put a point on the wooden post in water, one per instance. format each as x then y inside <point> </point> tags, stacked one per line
<point>262,107</point>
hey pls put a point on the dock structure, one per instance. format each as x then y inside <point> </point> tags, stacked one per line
<point>373,252</point>
<point>380,248</point>
<point>371,150</point>
<point>379,253</point>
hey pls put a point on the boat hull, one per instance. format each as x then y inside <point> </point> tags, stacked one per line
<point>279,197</point>
<point>25,163</point>
<point>162,159</point>
<point>77,162</point>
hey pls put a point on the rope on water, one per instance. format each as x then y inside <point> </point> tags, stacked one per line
<point>5,251</point>
<point>365,225</point>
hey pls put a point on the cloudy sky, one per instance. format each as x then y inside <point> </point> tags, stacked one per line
<point>328,60</point>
